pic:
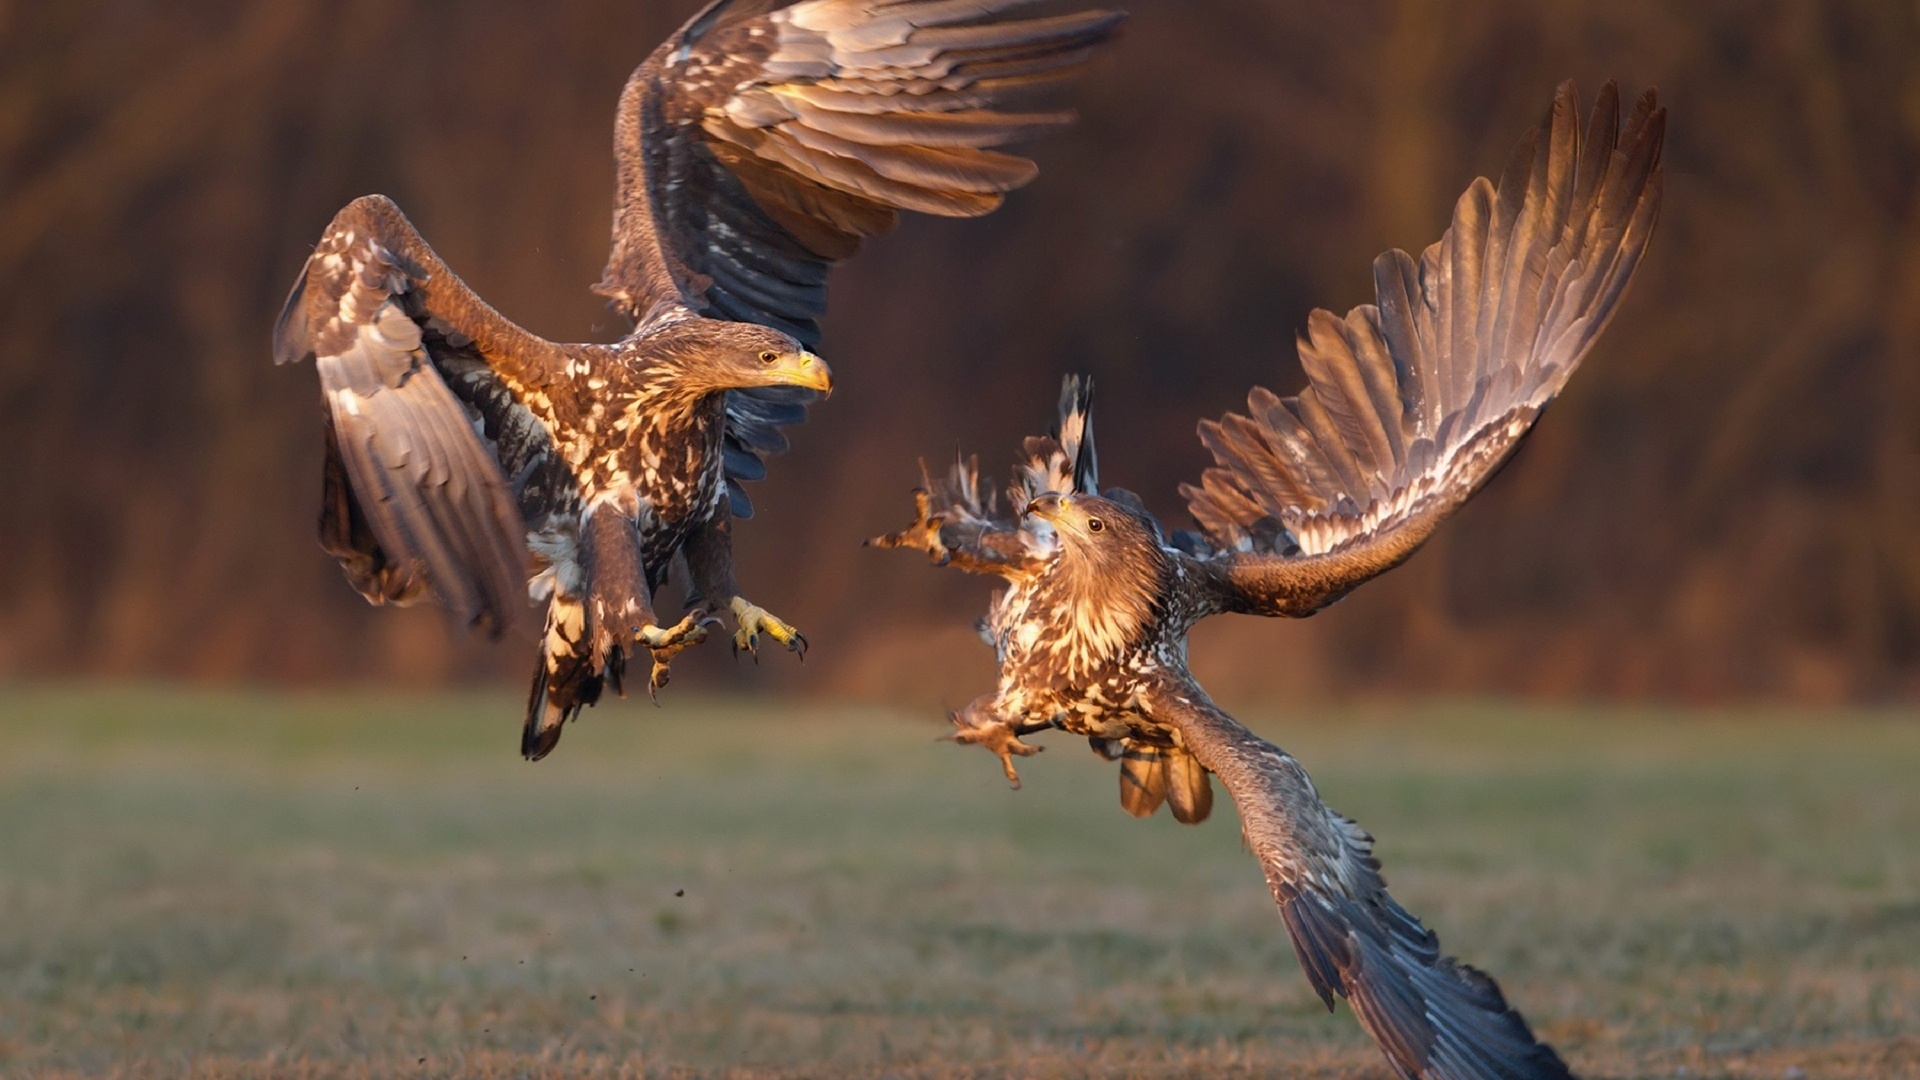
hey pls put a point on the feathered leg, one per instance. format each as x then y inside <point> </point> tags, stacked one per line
<point>709,552</point>
<point>600,608</point>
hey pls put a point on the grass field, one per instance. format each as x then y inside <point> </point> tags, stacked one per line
<point>370,885</point>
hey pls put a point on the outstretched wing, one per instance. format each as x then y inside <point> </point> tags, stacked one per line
<point>424,386</point>
<point>762,142</point>
<point>1414,402</point>
<point>1434,1017</point>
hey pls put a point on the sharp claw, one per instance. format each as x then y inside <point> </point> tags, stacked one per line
<point>996,737</point>
<point>923,534</point>
<point>756,622</point>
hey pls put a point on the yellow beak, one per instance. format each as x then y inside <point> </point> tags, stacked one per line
<point>1047,507</point>
<point>805,369</point>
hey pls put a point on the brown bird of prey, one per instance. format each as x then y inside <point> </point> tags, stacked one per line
<point>756,148</point>
<point>1412,403</point>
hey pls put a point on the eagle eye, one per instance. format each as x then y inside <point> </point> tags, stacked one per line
<point>1095,524</point>
<point>768,356</point>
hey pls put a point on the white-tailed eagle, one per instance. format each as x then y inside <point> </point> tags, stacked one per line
<point>1412,403</point>
<point>756,147</point>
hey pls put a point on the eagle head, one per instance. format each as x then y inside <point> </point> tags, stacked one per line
<point>716,355</point>
<point>1097,527</point>
<point>1108,556</point>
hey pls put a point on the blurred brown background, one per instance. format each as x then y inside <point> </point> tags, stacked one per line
<point>1722,506</point>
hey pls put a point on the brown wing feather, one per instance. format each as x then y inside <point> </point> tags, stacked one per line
<point>763,141</point>
<point>415,494</point>
<point>1434,1017</point>
<point>1415,401</point>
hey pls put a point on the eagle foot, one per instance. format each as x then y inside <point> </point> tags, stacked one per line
<point>995,735</point>
<point>754,621</point>
<point>667,643</point>
<point>923,534</point>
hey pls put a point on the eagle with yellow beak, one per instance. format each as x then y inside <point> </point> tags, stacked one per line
<point>756,147</point>
<point>1413,402</point>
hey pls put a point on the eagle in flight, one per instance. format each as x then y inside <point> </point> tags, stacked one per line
<point>1412,403</point>
<point>756,148</point>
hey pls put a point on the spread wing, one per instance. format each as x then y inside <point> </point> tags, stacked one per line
<point>424,386</point>
<point>1434,1017</point>
<point>1416,401</point>
<point>762,142</point>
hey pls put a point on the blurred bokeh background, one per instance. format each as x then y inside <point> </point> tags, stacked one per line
<point>1721,508</point>
<point>271,874</point>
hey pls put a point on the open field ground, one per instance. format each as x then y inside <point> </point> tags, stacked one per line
<point>227,885</point>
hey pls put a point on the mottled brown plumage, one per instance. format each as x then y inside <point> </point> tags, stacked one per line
<point>1412,404</point>
<point>756,147</point>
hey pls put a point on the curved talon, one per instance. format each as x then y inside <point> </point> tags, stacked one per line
<point>667,642</point>
<point>996,736</point>
<point>657,680</point>
<point>754,621</point>
<point>691,630</point>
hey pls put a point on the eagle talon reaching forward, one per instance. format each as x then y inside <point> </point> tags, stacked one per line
<point>691,630</point>
<point>665,644</point>
<point>754,621</point>
<point>973,726</point>
<point>1412,403</point>
<point>756,148</point>
<point>924,533</point>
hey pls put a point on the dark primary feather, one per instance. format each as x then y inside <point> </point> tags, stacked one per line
<point>754,420</point>
<point>764,141</point>
<point>427,501</point>
<point>1434,1017</point>
<point>1415,401</point>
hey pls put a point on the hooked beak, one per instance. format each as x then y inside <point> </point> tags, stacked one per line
<point>804,369</point>
<point>1047,507</point>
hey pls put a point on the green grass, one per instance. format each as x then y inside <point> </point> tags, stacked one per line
<point>282,885</point>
